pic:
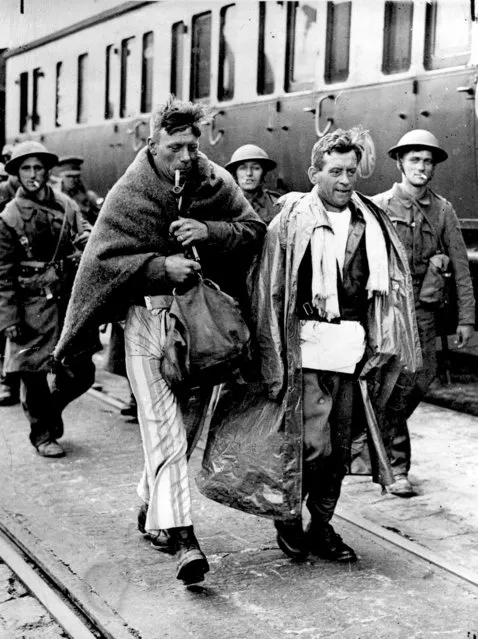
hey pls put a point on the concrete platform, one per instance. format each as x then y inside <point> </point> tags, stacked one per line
<point>80,511</point>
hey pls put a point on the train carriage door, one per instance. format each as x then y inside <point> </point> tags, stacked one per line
<point>298,111</point>
<point>368,79</point>
<point>446,99</point>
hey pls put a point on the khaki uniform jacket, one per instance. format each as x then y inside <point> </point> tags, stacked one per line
<point>425,227</point>
<point>34,290</point>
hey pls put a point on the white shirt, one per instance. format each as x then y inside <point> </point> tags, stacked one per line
<point>340,221</point>
<point>333,347</point>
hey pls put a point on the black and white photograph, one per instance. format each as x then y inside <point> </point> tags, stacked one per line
<point>238,273</point>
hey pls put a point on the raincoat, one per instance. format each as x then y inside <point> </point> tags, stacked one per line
<point>273,414</point>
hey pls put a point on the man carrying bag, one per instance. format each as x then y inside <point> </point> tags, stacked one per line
<point>136,258</point>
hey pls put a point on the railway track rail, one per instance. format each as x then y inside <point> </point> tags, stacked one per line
<point>58,581</point>
<point>78,610</point>
<point>78,615</point>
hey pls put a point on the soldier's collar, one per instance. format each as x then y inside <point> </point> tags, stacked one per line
<point>408,200</point>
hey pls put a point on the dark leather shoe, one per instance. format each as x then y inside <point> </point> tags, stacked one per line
<point>161,541</point>
<point>291,539</point>
<point>50,449</point>
<point>192,562</point>
<point>401,487</point>
<point>131,410</point>
<point>325,543</point>
<point>8,396</point>
<point>142,512</point>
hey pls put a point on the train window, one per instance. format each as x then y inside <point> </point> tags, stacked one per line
<point>448,33</point>
<point>178,42</point>
<point>201,57</point>
<point>109,103</point>
<point>126,62</point>
<point>81,103</point>
<point>270,15</point>
<point>37,75</point>
<point>229,43</point>
<point>147,73</point>
<point>397,39</point>
<point>338,41</point>
<point>59,68</point>
<point>301,51</point>
<point>23,101</point>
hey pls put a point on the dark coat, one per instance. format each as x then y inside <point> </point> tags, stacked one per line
<point>391,331</point>
<point>264,203</point>
<point>88,201</point>
<point>32,294</point>
<point>133,229</point>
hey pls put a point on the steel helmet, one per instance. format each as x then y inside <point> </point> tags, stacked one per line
<point>250,153</point>
<point>25,150</point>
<point>419,138</point>
<point>7,149</point>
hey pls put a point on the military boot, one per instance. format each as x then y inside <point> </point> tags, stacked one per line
<point>325,543</point>
<point>9,390</point>
<point>192,563</point>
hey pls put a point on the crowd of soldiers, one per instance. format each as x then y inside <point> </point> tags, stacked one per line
<point>341,290</point>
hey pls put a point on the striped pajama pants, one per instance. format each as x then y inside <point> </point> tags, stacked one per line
<point>164,484</point>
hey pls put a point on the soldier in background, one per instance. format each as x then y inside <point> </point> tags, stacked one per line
<point>430,232</point>
<point>9,383</point>
<point>73,185</point>
<point>7,152</point>
<point>40,232</point>
<point>3,173</point>
<point>8,183</point>
<point>249,165</point>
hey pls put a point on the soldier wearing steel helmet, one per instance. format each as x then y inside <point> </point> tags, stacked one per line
<point>430,232</point>
<point>8,183</point>
<point>3,173</point>
<point>7,151</point>
<point>39,231</point>
<point>249,165</point>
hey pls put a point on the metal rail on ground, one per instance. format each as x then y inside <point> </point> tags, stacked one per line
<point>105,623</point>
<point>407,545</point>
<point>68,619</point>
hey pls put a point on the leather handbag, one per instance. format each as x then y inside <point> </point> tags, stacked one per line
<point>207,339</point>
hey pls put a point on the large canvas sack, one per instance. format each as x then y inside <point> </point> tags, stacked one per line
<point>250,462</point>
<point>208,339</point>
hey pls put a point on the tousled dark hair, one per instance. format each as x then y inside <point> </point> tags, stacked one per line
<point>339,141</point>
<point>177,115</point>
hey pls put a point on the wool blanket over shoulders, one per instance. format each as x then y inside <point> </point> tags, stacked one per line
<point>133,228</point>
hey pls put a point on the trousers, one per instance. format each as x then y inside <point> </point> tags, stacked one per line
<point>408,393</point>
<point>164,484</point>
<point>43,406</point>
<point>327,399</point>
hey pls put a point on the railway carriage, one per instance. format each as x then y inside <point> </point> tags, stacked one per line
<point>280,74</point>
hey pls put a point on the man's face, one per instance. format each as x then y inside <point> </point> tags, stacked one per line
<point>32,174</point>
<point>249,175</point>
<point>336,180</point>
<point>70,182</point>
<point>417,167</point>
<point>176,151</point>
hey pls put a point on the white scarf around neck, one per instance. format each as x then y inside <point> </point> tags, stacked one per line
<point>324,262</point>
